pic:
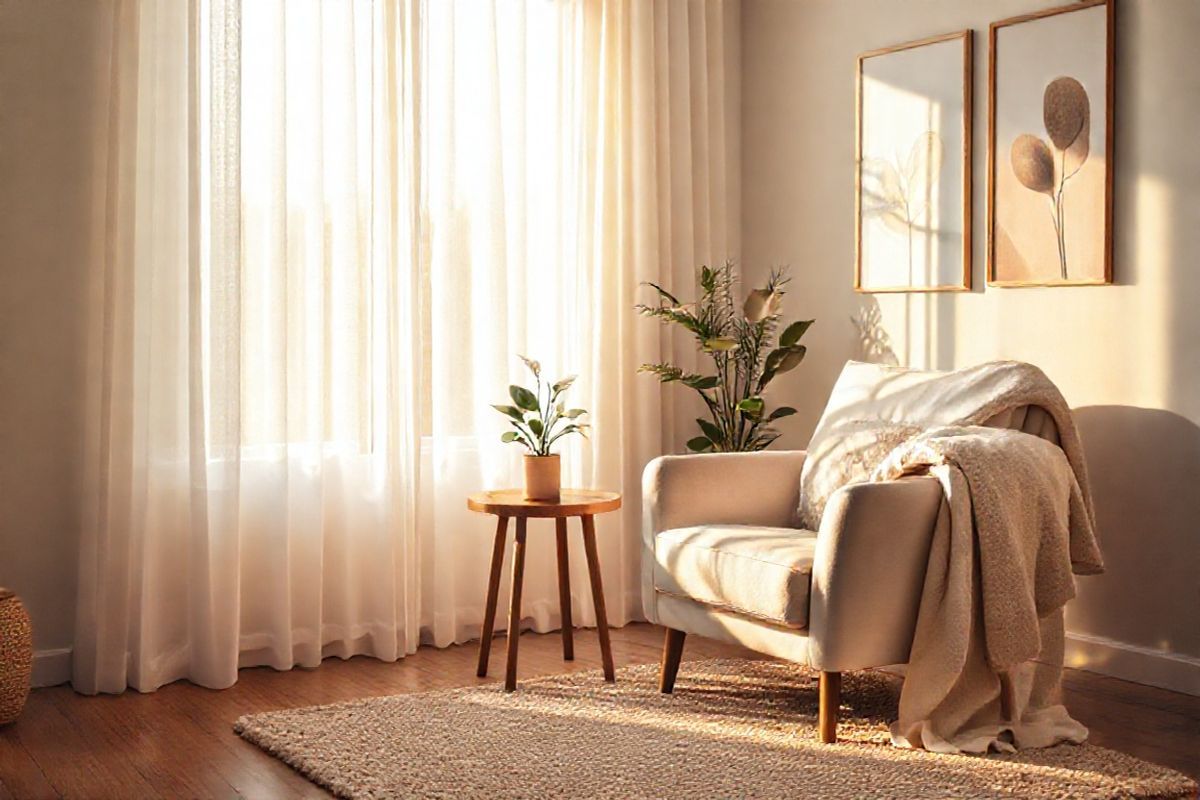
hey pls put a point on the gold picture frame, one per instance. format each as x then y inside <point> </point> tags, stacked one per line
<point>861,248</point>
<point>1027,161</point>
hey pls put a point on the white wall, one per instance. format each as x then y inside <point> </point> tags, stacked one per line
<point>1127,357</point>
<point>46,119</point>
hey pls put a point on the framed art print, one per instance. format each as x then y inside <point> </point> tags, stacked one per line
<point>913,167</point>
<point>1050,147</point>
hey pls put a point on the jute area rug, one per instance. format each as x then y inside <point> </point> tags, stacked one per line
<point>733,728</point>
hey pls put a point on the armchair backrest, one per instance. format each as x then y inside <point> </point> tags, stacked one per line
<point>922,397</point>
<point>874,407</point>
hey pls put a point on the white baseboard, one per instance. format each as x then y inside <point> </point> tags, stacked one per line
<point>51,667</point>
<point>1131,662</point>
<point>1179,673</point>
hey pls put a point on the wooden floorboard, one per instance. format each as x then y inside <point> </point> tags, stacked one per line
<point>179,742</point>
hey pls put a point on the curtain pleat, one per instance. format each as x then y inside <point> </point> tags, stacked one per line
<point>324,232</point>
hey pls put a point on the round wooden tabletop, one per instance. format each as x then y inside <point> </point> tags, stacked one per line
<point>570,503</point>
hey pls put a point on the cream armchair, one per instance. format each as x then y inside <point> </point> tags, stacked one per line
<point>723,559</point>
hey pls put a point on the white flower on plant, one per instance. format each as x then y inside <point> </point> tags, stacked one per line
<point>761,304</point>
<point>534,366</point>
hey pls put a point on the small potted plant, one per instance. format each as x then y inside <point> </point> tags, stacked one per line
<point>540,418</point>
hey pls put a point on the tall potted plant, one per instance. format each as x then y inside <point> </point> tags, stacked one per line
<point>746,356</point>
<point>539,418</point>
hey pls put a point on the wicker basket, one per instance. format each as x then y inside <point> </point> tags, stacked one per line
<point>16,656</point>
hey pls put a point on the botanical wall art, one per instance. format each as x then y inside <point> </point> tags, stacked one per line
<point>913,187</point>
<point>1050,147</point>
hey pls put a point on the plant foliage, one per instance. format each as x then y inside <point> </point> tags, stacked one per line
<point>748,350</point>
<point>539,417</point>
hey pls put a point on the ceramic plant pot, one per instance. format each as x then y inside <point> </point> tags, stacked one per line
<point>543,477</point>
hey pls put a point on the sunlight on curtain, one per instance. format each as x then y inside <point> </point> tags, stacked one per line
<point>327,229</point>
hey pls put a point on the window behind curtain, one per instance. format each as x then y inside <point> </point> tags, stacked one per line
<point>287,170</point>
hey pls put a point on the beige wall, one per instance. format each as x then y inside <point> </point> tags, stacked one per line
<point>1127,356</point>
<point>46,52</point>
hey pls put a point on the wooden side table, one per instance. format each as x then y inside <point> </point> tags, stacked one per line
<point>507,503</point>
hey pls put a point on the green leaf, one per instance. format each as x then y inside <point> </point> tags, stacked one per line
<point>791,358</point>
<point>751,406</point>
<point>774,359</point>
<point>784,359</point>
<point>763,441</point>
<point>781,412</point>
<point>710,430</point>
<point>534,366</point>
<point>781,360</point>
<point>581,429</point>
<point>678,314</point>
<point>523,398</point>
<point>535,425</point>
<point>668,373</point>
<point>663,293</point>
<point>665,372</point>
<point>509,436</point>
<point>792,333</point>
<point>573,413</point>
<point>510,411</point>
<point>701,382</point>
<point>720,343</point>
<point>699,444</point>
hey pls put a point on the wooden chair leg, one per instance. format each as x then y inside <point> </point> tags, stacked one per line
<point>514,609</point>
<point>493,591</point>
<point>672,653</point>
<point>830,689</point>
<point>564,589</point>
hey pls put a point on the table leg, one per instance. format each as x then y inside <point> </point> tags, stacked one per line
<point>564,589</point>
<point>493,591</point>
<point>514,609</point>
<point>589,547</point>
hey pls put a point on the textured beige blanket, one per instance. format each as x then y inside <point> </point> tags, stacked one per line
<point>1016,524</point>
<point>987,654</point>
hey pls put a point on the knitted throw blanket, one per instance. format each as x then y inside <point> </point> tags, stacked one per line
<point>1015,525</point>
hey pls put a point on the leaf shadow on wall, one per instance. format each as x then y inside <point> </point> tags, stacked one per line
<point>874,344</point>
<point>1142,465</point>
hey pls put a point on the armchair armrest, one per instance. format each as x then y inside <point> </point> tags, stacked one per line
<point>715,488</point>
<point>869,571</point>
<point>760,488</point>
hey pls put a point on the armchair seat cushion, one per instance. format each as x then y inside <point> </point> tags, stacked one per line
<point>756,571</point>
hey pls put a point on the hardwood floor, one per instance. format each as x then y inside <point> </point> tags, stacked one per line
<point>178,742</point>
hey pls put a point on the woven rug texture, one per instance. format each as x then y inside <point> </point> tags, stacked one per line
<point>733,728</point>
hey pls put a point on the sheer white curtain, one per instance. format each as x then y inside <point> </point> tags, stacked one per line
<point>323,231</point>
